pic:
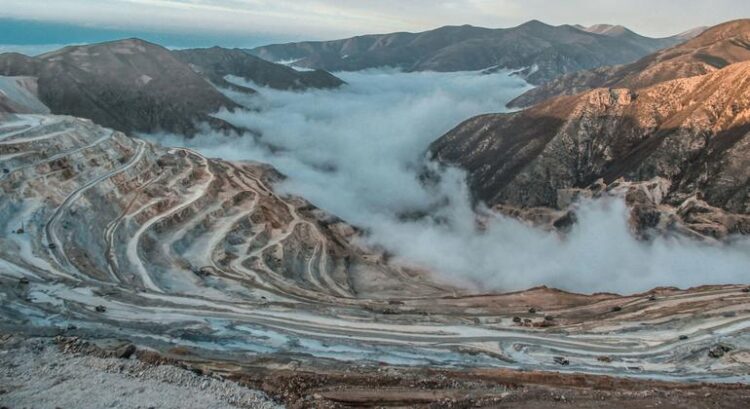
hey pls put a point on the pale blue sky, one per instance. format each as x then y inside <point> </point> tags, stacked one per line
<point>327,19</point>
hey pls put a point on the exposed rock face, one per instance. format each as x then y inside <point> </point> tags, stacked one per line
<point>650,214</point>
<point>129,85</point>
<point>216,63</point>
<point>20,95</point>
<point>711,50</point>
<point>540,50</point>
<point>693,132</point>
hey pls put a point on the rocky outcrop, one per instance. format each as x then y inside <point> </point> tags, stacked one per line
<point>692,132</point>
<point>650,215</point>
<point>711,50</point>
<point>540,51</point>
<point>129,85</point>
<point>216,63</point>
<point>20,95</point>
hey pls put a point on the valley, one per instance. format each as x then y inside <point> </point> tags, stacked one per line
<point>204,227</point>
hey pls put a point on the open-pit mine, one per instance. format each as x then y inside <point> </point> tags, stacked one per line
<point>199,261</point>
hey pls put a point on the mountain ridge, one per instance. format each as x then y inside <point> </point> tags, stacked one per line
<point>554,50</point>
<point>130,85</point>
<point>133,85</point>
<point>712,49</point>
<point>215,63</point>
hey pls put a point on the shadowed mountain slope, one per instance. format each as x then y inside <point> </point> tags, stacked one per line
<point>216,63</point>
<point>129,85</point>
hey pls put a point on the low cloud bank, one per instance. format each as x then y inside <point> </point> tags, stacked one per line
<point>358,152</point>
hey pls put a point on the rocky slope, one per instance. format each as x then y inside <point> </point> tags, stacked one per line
<point>541,51</point>
<point>129,85</point>
<point>711,50</point>
<point>20,95</point>
<point>688,137</point>
<point>216,63</point>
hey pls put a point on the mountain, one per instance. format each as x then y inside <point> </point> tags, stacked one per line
<point>690,34</point>
<point>129,85</point>
<point>622,31</point>
<point>540,51</point>
<point>680,149</point>
<point>606,29</point>
<point>135,86</point>
<point>634,40</point>
<point>17,64</point>
<point>712,49</point>
<point>216,63</point>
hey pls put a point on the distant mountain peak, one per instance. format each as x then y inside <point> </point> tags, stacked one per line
<point>731,29</point>
<point>692,33</point>
<point>608,29</point>
<point>131,45</point>
<point>535,24</point>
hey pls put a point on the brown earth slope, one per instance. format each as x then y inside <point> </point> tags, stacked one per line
<point>688,137</point>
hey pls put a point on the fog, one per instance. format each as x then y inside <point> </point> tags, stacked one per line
<point>358,152</point>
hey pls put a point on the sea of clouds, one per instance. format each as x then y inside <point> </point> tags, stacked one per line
<point>358,152</point>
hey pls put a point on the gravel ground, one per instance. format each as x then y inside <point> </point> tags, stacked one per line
<point>35,374</point>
